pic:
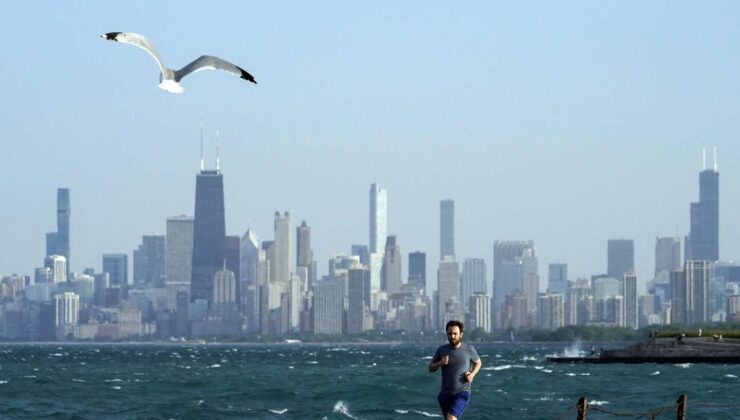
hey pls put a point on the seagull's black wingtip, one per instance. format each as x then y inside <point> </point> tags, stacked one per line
<point>110,36</point>
<point>246,76</point>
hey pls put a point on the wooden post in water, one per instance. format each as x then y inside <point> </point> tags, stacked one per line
<point>681,413</point>
<point>582,408</point>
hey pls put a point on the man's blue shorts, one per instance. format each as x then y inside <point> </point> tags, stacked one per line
<point>453,403</point>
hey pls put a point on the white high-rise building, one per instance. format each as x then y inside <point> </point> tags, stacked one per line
<point>448,290</point>
<point>283,256</point>
<point>378,236</point>
<point>66,312</point>
<point>378,219</point>
<point>473,279</point>
<point>224,287</point>
<point>178,257</point>
<point>58,266</point>
<point>479,305</point>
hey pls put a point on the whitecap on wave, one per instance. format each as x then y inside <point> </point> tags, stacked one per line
<point>729,375</point>
<point>597,402</point>
<point>276,411</point>
<point>503,367</point>
<point>341,408</point>
<point>657,372</point>
<point>683,365</point>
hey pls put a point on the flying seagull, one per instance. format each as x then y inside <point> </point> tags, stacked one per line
<point>169,79</point>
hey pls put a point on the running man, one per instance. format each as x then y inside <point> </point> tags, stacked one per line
<point>456,360</point>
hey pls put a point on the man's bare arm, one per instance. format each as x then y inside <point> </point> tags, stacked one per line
<point>433,366</point>
<point>476,367</point>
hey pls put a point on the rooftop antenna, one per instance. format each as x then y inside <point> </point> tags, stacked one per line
<point>715,158</point>
<point>703,157</point>
<point>201,145</point>
<point>218,159</point>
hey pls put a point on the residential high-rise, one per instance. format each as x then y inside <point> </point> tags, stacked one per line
<point>249,256</point>
<point>551,310</point>
<point>679,297</point>
<point>232,249</point>
<point>67,305</point>
<point>631,310</point>
<point>418,268</point>
<point>209,233</point>
<point>703,239</point>
<point>359,298</point>
<point>378,219</point>
<point>557,278</point>
<point>667,254</point>
<point>448,292</point>
<point>473,280</point>
<point>479,306</point>
<point>391,272</point>
<point>149,262</point>
<point>508,272</point>
<point>57,243</point>
<point>116,265</point>
<point>283,256</point>
<point>178,257</point>
<point>304,253</point>
<point>328,307</point>
<point>446,228</point>
<point>620,257</point>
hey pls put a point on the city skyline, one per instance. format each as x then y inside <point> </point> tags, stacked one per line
<point>570,136</point>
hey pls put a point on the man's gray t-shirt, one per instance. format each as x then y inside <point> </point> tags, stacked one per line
<point>453,374</point>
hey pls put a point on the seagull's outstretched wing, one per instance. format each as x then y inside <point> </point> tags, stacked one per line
<point>137,41</point>
<point>207,62</point>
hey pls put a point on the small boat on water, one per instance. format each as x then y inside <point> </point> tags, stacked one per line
<point>674,350</point>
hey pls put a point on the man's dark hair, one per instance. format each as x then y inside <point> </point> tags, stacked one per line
<point>454,323</point>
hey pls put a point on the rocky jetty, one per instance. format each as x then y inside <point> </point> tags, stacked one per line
<point>679,349</point>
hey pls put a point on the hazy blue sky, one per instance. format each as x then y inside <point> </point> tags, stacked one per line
<point>567,123</point>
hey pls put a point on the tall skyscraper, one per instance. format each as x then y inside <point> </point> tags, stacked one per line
<point>667,255</point>
<point>378,219</point>
<point>446,228</point>
<point>631,313</point>
<point>473,280</point>
<point>391,272</point>
<point>418,268</point>
<point>620,257</point>
<point>304,253</point>
<point>557,278</point>
<point>448,293</point>
<point>703,239</point>
<point>178,257</point>
<point>209,233</point>
<point>697,282</point>
<point>283,256</point>
<point>116,265</point>
<point>249,257</point>
<point>149,262</point>
<point>57,243</point>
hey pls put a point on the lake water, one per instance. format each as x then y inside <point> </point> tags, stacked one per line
<point>336,382</point>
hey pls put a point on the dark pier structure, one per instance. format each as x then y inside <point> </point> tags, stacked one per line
<point>673,350</point>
